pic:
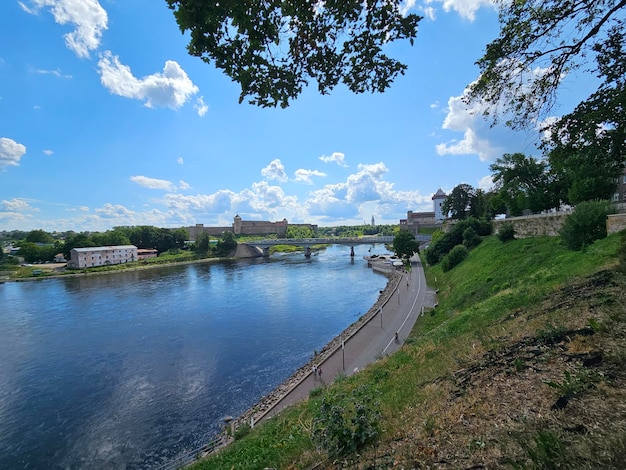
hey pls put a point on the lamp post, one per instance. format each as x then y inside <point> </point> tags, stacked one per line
<point>343,356</point>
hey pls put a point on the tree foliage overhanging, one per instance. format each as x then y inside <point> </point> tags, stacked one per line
<point>542,42</point>
<point>273,48</point>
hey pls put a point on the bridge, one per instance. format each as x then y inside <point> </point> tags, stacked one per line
<point>265,245</point>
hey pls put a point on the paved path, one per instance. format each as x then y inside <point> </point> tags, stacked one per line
<point>372,341</point>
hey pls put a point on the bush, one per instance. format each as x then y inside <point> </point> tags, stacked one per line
<point>444,244</point>
<point>346,423</point>
<point>506,232</point>
<point>585,225</point>
<point>456,256</point>
<point>470,238</point>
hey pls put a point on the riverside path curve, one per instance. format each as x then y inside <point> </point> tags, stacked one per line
<point>374,339</point>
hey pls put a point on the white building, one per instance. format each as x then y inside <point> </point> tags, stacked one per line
<point>102,256</point>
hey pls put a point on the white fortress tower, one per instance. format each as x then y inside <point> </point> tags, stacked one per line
<point>438,199</point>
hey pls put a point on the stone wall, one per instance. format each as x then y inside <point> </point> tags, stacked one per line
<point>534,225</point>
<point>615,223</point>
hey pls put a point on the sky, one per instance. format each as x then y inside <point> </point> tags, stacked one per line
<point>105,121</point>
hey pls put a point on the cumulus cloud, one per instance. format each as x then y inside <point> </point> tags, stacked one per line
<point>479,137</point>
<point>48,152</point>
<point>16,205</point>
<point>304,176</point>
<point>11,152</point>
<point>153,183</point>
<point>171,89</point>
<point>87,16</point>
<point>275,171</point>
<point>183,185</point>
<point>180,160</point>
<point>336,157</point>
<point>465,8</point>
<point>113,211</point>
<point>486,183</point>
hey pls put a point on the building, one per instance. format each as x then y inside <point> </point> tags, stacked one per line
<point>102,256</point>
<point>416,220</point>
<point>247,227</point>
<point>145,253</point>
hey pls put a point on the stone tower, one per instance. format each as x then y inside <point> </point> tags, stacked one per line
<point>438,199</point>
<point>237,225</point>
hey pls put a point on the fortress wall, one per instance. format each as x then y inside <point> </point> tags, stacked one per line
<point>534,225</point>
<point>615,223</point>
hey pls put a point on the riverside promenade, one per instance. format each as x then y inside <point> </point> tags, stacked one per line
<point>359,345</point>
<point>372,337</point>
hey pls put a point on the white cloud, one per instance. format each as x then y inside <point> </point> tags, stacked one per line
<point>114,211</point>
<point>88,16</point>
<point>55,72</point>
<point>200,106</point>
<point>171,89</point>
<point>153,183</point>
<point>180,160</point>
<point>465,8</point>
<point>336,157</point>
<point>304,176</point>
<point>10,152</point>
<point>16,205</point>
<point>183,185</point>
<point>275,171</point>
<point>486,183</point>
<point>48,152</point>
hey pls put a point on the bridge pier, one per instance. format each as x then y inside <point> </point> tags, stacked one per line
<point>352,251</point>
<point>307,251</point>
<point>266,252</point>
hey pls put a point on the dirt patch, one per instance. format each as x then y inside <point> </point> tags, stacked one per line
<point>550,392</point>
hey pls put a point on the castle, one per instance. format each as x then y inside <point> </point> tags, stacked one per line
<point>247,227</point>
<point>415,220</point>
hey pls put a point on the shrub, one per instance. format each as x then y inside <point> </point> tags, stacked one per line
<point>586,224</point>
<point>346,423</point>
<point>506,232</point>
<point>470,238</point>
<point>456,256</point>
<point>442,245</point>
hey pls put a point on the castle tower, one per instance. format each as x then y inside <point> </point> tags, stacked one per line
<point>237,225</point>
<point>438,199</point>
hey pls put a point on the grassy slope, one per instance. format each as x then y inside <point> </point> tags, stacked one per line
<point>478,379</point>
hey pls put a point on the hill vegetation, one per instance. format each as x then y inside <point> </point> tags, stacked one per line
<point>521,365</point>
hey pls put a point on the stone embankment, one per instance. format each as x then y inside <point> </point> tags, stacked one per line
<point>258,411</point>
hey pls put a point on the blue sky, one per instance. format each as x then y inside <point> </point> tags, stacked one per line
<point>105,120</point>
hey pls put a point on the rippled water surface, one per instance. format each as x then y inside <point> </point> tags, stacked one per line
<point>130,370</point>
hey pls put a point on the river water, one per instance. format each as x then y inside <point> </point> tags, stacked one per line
<point>131,370</point>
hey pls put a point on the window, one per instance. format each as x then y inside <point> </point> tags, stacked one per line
<point>615,197</point>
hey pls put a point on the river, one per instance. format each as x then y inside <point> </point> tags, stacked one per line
<point>131,370</point>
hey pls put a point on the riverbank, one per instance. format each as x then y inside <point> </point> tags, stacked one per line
<point>265,407</point>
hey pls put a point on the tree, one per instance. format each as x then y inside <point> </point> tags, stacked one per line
<point>39,236</point>
<point>458,202</point>
<point>273,48</point>
<point>404,244</point>
<point>585,225</point>
<point>524,183</point>
<point>226,244</point>
<point>552,38</point>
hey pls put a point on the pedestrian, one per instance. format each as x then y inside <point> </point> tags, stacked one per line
<point>314,372</point>
<point>397,339</point>
<point>319,371</point>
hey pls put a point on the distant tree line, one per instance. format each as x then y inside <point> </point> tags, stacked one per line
<point>40,246</point>
<point>357,230</point>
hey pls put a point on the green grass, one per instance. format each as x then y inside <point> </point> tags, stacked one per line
<point>496,280</point>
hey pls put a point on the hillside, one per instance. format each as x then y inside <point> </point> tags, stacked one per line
<point>522,365</point>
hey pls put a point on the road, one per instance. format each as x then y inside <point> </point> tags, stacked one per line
<point>377,338</point>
